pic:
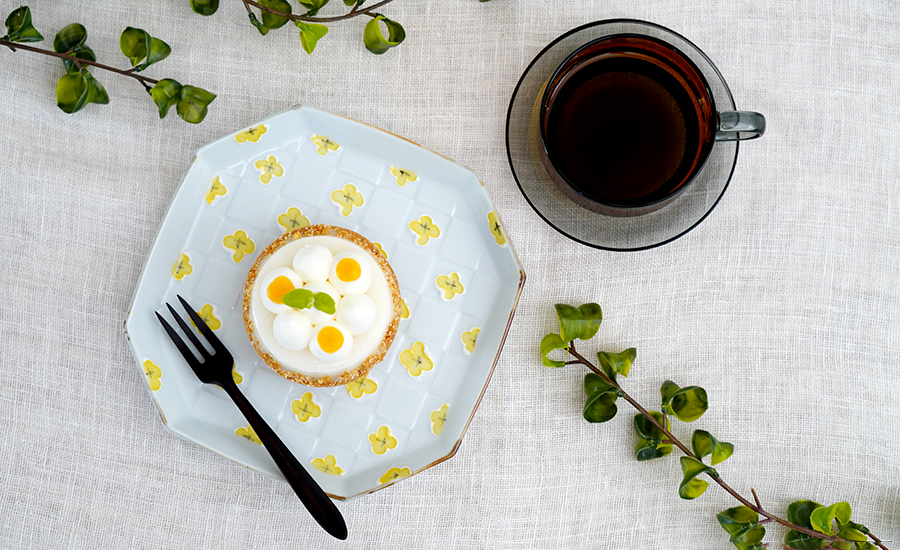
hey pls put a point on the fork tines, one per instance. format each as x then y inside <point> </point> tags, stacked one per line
<point>189,356</point>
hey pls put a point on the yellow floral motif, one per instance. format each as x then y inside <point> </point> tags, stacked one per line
<point>154,374</point>
<point>404,309</point>
<point>269,167</point>
<point>361,386</point>
<point>438,419</point>
<point>249,433</point>
<point>347,198</point>
<point>304,408</point>
<point>236,375</point>
<point>182,268</point>
<point>327,465</point>
<point>292,219</point>
<point>393,474</point>
<point>207,313</point>
<point>403,175</point>
<point>469,338</point>
<point>450,285</point>
<point>496,228</point>
<point>380,249</point>
<point>323,144</point>
<point>425,228</point>
<point>216,189</point>
<point>382,440</point>
<point>416,359</point>
<point>251,134</point>
<point>240,243</point>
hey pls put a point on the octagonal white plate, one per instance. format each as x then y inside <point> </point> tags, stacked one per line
<point>301,166</point>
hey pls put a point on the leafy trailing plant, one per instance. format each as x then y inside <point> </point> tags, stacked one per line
<point>78,87</point>
<point>811,526</point>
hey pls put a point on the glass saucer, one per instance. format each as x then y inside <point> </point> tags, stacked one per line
<point>583,225</point>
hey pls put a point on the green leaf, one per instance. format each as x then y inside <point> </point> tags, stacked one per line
<point>270,20</point>
<point>617,362</point>
<point>165,94</point>
<point>76,89</point>
<point>578,323</point>
<point>71,92</point>
<point>799,513</point>
<point>705,444</point>
<point>83,52</point>
<point>691,487</point>
<point>550,343</point>
<point>601,399</point>
<point>376,42</point>
<point>742,523</point>
<point>263,30</point>
<point>299,298</point>
<point>821,518</point>
<point>138,45</point>
<point>650,445</point>
<point>19,28</point>
<point>352,2</point>
<point>324,302</point>
<point>205,7</point>
<point>687,404</point>
<point>70,38</point>
<point>193,103</point>
<point>313,5</point>
<point>310,33</point>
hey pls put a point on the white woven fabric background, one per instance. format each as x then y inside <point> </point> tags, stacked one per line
<point>784,304</point>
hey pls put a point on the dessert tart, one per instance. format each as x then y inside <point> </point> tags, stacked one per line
<point>321,305</point>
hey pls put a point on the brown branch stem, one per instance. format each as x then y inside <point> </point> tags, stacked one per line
<point>79,62</point>
<point>354,12</point>
<point>674,440</point>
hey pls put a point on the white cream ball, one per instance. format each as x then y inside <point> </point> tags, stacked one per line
<point>351,271</point>
<point>275,285</point>
<point>330,342</point>
<point>313,262</point>
<point>356,313</point>
<point>314,315</point>
<point>292,330</point>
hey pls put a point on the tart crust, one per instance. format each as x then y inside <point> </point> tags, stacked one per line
<point>377,355</point>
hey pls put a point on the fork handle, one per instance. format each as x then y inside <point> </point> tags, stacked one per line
<point>312,496</point>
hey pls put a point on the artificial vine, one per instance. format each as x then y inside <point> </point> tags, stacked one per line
<point>78,87</point>
<point>811,526</point>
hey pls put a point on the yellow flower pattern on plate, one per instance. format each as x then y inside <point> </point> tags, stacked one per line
<point>269,167</point>
<point>449,285</point>
<point>469,338</point>
<point>361,386</point>
<point>248,433</point>
<point>496,228</point>
<point>323,144</point>
<point>304,408</point>
<point>154,375</point>
<point>416,359</point>
<point>380,249</point>
<point>235,375</point>
<point>292,219</point>
<point>425,229</point>
<point>216,189</point>
<point>438,419</point>
<point>382,440</point>
<point>327,465</point>
<point>182,268</point>
<point>208,314</point>
<point>393,474</point>
<point>251,134</point>
<point>404,309</point>
<point>403,175</point>
<point>347,198</point>
<point>240,243</point>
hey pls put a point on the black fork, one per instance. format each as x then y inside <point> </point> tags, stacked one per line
<point>216,369</point>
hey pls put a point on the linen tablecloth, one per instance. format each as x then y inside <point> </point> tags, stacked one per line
<point>783,304</point>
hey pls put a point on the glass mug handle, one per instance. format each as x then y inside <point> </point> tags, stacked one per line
<point>740,125</point>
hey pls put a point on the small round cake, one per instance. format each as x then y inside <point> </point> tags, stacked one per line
<point>321,305</point>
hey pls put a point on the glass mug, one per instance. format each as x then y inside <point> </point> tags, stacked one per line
<point>628,121</point>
